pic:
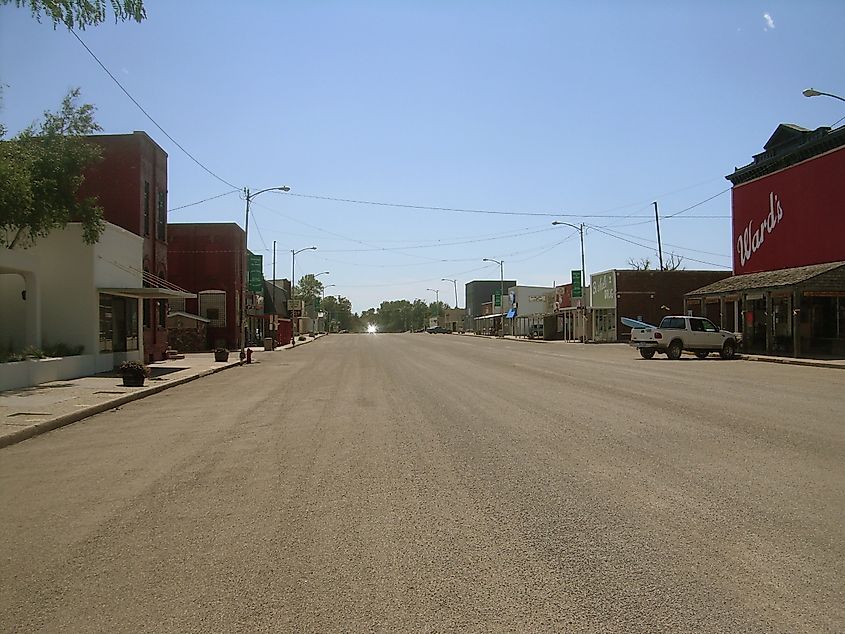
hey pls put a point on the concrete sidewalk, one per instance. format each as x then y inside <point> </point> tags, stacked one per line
<point>27,412</point>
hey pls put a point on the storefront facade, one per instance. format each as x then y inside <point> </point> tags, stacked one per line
<point>787,296</point>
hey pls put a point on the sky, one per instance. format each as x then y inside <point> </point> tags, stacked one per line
<point>443,112</point>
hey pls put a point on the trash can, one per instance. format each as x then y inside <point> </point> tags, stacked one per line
<point>268,344</point>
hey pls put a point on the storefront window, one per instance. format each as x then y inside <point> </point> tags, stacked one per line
<point>118,323</point>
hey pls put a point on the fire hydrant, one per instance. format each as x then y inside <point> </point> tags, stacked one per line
<point>249,355</point>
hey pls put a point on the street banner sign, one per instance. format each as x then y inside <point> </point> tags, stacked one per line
<point>497,301</point>
<point>256,273</point>
<point>295,304</point>
<point>577,284</point>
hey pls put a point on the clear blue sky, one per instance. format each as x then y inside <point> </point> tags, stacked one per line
<point>585,109</point>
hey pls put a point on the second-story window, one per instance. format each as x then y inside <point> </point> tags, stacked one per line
<point>161,216</point>
<point>146,208</point>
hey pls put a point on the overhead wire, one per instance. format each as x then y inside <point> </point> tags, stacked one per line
<point>651,248</point>
<point>456,209</point>
<point>148,115</point>
<point>204,200</point>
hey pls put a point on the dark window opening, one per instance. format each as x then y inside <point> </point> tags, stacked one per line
<point>146,208</point>
<point>161,217</point>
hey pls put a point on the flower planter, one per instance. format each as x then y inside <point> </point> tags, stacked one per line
<point>221,355</point>
<point>133,381</point>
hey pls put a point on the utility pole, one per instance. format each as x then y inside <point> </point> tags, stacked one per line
<point>275,308</point>
<point>659,245</point>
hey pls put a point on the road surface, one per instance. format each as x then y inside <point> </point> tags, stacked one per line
<point>431,483</point>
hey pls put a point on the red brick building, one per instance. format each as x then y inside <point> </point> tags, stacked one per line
<point>787,296</point>
<point>209,259</point>
<point>130,184</point>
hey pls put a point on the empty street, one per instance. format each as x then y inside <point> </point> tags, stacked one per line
<point>416,482</point>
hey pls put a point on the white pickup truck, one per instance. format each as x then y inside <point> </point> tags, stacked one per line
<point>678,333</point>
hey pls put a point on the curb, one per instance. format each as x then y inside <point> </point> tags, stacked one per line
<point>791,361</point>
<point>67,419</point>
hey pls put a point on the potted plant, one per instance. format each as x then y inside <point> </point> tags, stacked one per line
<point>221,354</point>
<point>134,373</point>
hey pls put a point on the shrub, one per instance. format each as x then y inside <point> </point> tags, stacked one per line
<point>133,368</point>
<point>62,350</point>
<point>32,352</point>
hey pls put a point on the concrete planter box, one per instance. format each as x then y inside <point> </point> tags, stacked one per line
<point>36,371</point>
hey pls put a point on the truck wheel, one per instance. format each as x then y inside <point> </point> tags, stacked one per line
<point>702,354</point>
<point>674,350</point>
<point>728,350</point>
<point>646,353</point>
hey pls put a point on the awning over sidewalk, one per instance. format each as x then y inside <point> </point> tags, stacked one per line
<point>766,279</point>
<point>154,287</point>
<point>146,292</point>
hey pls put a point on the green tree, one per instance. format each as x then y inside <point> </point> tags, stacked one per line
<point>41,170</point>
<point>338,312</point>
<point>308,290</point>
<point>78,14</point>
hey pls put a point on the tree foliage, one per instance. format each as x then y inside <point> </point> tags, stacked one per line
<point>308,290</point>
<point>78,14</point>
<point>41,170</point>
<point>401,315</point>
<point>338,312</point>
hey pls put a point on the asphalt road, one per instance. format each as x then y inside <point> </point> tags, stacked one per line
<point>431,483</point>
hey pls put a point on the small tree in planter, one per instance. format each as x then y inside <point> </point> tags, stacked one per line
<point>134,373</point>
<point>221,354</point>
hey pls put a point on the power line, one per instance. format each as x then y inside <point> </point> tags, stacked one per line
<point>646,246</point>
<point>678,213</point>
<point>147,114</point>
<point>461,209</point>
<point>204,200</point>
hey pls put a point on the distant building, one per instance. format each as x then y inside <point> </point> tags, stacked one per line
<point>209,259</point>
<point>480,292</point>
<point>643,295</point>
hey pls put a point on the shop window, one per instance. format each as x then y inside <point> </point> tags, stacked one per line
<point>162,313</point>
<point>146,208</point>
<point>106,324</point>
<point>161,216</point>
<point>118,323</point>
<point>212,306</point>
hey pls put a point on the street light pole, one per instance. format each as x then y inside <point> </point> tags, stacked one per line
<point>249,196</point>
<point>580,228</point>
<point>455,282</point>
<point>323,299</point>
<point>501,264</point>
<point>293,286</point>
<point>810,92</point>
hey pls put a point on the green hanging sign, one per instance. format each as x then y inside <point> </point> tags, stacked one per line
<point>256,273</point>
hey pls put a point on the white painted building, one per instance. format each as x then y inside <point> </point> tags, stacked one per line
<point>64,291</point>
<point>526,307</point>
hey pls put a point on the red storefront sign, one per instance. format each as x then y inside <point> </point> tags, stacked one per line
<point>794,217</point>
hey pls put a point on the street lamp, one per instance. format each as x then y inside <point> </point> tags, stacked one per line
<point>810,92</point>
<point>293,255</point>
<point>580,229</point>
<point>249,196</point>
<point>501,264</point>
<point>323,299</point>
<point>436,294</point>
<point>455,282</point>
